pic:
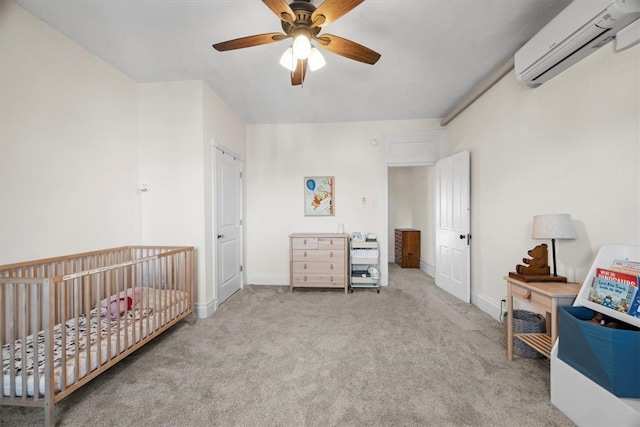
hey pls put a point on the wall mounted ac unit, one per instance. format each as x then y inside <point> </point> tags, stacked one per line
<point>579,30</point>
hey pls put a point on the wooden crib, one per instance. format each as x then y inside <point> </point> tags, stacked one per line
<point>65,320</point>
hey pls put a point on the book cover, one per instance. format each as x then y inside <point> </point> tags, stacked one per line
<point>616,290</point>
<point>626,266</point>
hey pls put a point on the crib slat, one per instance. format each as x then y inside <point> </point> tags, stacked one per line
<point>22,336</point>
<point>3,318</point>
<point>86,308</point>
<point>109,289</point>
<point>63,297</point>
<point>75,291</point>
<point>36,304</point>
<point>49,294</point>
<point>96,303</point>
<point>11,335</point>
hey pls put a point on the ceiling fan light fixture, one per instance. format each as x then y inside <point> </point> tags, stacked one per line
<point>301,46</point>
<point>316,60</point>
<point>288,60</point>
<point>302,22</point>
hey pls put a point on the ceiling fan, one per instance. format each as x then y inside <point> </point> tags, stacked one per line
<point>302,22</point>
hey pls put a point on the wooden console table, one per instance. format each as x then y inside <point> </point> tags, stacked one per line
<point>548,296</point>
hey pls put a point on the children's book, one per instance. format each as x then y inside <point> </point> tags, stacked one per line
<point>616,290</point>
<point>626,266</point>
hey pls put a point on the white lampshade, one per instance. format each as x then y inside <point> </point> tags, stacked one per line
<point>288,60</point>
<point>557,226</point>
<point>301,46</point>
<point>316,60</point>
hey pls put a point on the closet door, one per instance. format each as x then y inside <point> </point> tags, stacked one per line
<point>229,224</point>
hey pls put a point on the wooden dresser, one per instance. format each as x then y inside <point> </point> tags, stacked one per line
<point>408,247</point>
<point>318,260</point>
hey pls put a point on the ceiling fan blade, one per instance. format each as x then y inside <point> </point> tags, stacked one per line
<point>281,9</point>
<point>249,41</point>
<point>297,77</point>
<point>347,48</point>
<point>332,10</point>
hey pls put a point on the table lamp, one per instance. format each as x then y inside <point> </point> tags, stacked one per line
<point>556,226</point>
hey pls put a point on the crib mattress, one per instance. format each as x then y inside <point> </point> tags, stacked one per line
<point>107,339</point>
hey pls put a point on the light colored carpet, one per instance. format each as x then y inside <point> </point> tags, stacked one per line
<point>410,356</point>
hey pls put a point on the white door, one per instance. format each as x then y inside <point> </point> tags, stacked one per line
<point>228,224</point>
<point>453,261</point>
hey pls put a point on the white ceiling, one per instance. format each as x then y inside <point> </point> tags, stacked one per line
<point>434,52</point>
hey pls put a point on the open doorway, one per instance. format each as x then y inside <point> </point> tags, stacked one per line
<point>410,207</point>
<point>409,197</point>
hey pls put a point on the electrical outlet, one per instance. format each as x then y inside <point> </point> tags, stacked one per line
<point>364,201</point>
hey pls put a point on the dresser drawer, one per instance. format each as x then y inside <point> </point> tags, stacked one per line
<point>307,267</point>
<point>328,280</point>
<point>304,243</point>
<point>534,298</point>
<point>330,243</point>
<point>318,255</point>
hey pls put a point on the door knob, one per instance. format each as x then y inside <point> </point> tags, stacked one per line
<point>220,236</point>
<point>465,236</point>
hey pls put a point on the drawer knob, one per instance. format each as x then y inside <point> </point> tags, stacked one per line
<point>305,266</point>
<point>305,278</point>
<point>331,267</point>
<point>331,254</point>
<point>305,254</point>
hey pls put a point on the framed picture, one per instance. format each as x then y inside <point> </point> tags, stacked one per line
<point>318,196</point>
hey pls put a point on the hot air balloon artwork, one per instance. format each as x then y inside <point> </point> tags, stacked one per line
<point>318,196</point>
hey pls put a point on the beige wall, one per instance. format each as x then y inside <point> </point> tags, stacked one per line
<point>172,165</point>
<point>222,126</point>
<point>280,156</point>
<point>68,145</point>
<point>179,124</point>
<point>570,146</point>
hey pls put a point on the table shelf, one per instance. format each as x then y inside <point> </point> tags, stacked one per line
<point>541,342</point>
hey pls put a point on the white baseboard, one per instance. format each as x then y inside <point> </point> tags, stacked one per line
<point>278,280</point>
<point>489,306</point>
<point>204,310</point>
<point>429,269</point>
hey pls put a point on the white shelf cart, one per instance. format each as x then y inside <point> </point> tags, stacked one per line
<point>363,254</point>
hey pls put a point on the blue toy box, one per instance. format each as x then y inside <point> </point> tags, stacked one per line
<point>609,357</point>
